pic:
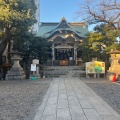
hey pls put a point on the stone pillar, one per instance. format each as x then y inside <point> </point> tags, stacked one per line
<point>37,71</point>
<point>53,53</point>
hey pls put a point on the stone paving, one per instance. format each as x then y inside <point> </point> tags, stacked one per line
<point>70,99</point>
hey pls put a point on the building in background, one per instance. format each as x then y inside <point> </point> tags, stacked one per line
<point>37,16</point>
<point>65,38</point>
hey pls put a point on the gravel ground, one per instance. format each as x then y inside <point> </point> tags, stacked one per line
<point>19,98</point>
<point>109,91</point>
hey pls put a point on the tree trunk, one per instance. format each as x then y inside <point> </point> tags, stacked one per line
<point>5,40</point>
<point>3,44</point>
<point>0,62</point>
<point>8,55</point>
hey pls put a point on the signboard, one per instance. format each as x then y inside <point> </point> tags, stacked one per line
<point>33,67</point>
<point>90,67</point>
<point>99,67</point>
<point>35,61</point>
<point>95,67</point>
<point>70,58</point>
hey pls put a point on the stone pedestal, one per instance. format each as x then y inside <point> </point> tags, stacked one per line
<point>16,72</point>
<point>115,65</point>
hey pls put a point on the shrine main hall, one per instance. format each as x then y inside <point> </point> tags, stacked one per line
<point>65,37</point>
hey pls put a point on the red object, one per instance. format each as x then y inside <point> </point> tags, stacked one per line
<point>114,78</point>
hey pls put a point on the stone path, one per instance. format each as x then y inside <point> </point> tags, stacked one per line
<point>71,99</point>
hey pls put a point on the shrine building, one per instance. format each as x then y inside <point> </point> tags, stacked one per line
<point>65,38</point>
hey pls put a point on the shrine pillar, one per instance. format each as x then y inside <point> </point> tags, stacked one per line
<point>75,52</point>
<point>76,56</point>
<point>53,53</point>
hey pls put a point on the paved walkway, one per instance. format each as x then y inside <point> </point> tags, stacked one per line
<point>71,99</point>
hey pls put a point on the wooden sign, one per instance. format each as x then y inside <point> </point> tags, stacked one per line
<point>35,61</point>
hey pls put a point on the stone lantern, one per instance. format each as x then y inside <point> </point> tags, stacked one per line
<point>16,72</point>
<point>115,64</point>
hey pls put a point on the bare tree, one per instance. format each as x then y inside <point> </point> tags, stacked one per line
<point>107,11</point>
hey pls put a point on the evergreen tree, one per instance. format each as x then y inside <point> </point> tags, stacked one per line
<point>16,17</point>
<point>33,47</point>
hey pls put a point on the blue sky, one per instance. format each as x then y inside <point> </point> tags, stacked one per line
<point>54,10</point>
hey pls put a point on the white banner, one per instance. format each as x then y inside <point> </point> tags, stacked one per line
<point>33,67</point>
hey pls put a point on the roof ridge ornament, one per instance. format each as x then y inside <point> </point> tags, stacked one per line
<point>63,19</point>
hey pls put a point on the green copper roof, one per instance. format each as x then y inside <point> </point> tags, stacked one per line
<point>46,30</point>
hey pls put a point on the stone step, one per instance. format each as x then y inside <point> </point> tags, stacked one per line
<point>64,67</point>
<point>63,71</point>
